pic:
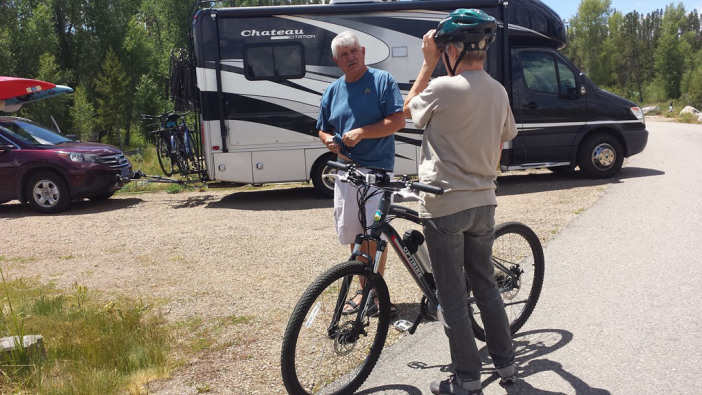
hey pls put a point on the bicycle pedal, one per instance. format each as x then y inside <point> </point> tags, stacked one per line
<point>402,325</point>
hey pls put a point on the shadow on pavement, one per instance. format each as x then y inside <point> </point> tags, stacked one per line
<point>16,210</point>
<point>532,350</point>
<point>297,198</point>
<point>514,183</point>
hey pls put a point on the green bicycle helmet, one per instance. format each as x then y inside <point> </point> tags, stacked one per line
<point>474,28</point>
<point>470,26</point>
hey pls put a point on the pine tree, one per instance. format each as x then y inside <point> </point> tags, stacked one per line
<point>111,88</point>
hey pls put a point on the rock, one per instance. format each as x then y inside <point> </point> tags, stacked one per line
<point>690,110</point>
<point>34,344</point>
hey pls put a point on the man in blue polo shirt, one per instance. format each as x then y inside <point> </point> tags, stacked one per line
<point>363,109</point>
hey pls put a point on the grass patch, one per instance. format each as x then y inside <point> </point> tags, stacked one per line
<point>92,346</point>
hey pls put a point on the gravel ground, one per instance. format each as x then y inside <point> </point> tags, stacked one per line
<point>235,259</point>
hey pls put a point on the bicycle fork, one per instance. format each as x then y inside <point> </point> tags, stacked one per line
<point>349,332</point>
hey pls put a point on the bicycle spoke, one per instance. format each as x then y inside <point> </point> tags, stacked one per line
<point>325,351</point>
<point>518,261</point>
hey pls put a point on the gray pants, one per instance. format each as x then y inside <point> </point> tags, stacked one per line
<point>463,242</point>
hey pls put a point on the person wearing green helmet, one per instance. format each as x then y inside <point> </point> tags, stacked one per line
<point>466,117</point>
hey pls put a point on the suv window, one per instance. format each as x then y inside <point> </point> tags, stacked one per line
<point>545,73</point>
<point>32,133</point>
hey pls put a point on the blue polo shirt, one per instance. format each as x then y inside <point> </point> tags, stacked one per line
<point>350,105</point>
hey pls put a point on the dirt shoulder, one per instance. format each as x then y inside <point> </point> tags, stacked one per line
<point>230,264</point>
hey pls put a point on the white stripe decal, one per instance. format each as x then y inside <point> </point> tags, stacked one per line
<point>535,126</point>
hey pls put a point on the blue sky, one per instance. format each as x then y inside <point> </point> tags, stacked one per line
<point>568,8</point>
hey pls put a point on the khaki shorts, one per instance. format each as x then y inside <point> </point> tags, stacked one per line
<point>348,223</point>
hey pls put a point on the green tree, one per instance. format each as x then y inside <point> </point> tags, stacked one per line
<point>53,109</point>
<point>83,116</point>
<point>670,52</point>
<point>111,87</point>
<point>8,29</point>
<point>586,39</point>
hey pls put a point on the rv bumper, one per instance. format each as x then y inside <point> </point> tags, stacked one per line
<point>635,140</point>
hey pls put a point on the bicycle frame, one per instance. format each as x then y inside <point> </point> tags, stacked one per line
<point>381,226</point>
<point>386,213</point>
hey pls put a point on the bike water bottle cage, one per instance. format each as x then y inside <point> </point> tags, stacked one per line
<point>474,28</point>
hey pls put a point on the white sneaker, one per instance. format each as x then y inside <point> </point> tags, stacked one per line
<point>454,385</point>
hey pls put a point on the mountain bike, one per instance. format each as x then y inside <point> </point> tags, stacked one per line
<point>174,145</point>
<point>326,350</point>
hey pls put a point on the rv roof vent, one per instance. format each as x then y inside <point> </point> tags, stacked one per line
<point>354,1</point>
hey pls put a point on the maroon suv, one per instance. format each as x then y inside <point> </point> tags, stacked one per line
<point>49,170</point>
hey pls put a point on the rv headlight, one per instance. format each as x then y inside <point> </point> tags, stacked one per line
<point>638,113</point>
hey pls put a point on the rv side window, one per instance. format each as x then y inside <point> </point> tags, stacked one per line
<point>274,61</point>
<point>539,71</point>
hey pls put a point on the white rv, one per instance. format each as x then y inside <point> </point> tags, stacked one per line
<point>261,72</point>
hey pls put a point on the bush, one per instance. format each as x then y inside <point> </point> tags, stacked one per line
<point>93,346</point>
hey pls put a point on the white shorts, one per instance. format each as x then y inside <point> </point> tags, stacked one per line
<point>348,223</point>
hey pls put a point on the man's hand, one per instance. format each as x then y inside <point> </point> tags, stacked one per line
<point>331,145</point>
<point>328,140</point>
<point>430,50</point>
<point>352,137</point>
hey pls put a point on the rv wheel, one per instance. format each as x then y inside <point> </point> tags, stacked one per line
<point>322,176</point>
<point>600,156</point>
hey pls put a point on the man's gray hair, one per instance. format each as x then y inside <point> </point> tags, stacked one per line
<point>470,56</point>
<point>344,39</point>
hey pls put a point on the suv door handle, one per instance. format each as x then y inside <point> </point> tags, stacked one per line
<point>531,105</point>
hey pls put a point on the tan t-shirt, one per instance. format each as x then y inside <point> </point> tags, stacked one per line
<point>465,118</point>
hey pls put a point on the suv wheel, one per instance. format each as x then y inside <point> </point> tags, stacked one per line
<point>600,156</point>
<point>48,193</point>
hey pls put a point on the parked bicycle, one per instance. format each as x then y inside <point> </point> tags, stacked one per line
<point>327,351</point>
<point>174,145</point>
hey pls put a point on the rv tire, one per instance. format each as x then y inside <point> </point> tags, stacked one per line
<point>323,184</point>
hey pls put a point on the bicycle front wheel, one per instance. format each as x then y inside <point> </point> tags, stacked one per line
<point>518,259</point>
<point>325,351</point>
<point>163,153</point>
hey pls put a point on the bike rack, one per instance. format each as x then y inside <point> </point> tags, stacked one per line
<point>141,176</point>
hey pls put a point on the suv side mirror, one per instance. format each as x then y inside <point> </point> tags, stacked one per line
<point>6,147</point>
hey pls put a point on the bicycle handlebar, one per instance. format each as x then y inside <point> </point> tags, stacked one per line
<point>164,115</point>
<point>427,188</point>
<point>380,178</point>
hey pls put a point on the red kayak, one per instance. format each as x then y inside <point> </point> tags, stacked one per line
<point>11,87</point>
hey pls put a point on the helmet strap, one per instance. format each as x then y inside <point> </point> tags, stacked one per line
<point>447,61</point>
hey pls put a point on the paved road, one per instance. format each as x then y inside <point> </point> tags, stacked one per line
<point>620,311</point>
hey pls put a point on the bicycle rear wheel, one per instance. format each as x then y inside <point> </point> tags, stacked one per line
<point>163,153</point>
<point>518,250</point>
<point>320,354</point>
